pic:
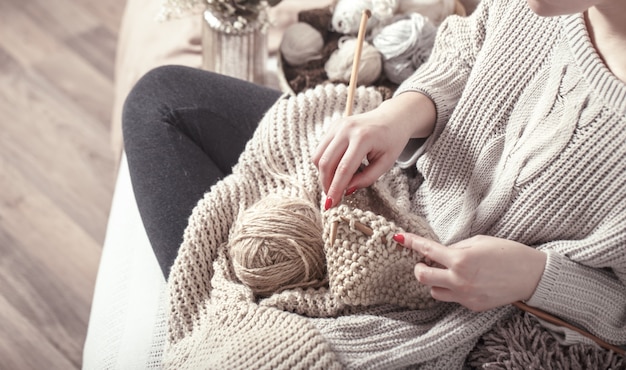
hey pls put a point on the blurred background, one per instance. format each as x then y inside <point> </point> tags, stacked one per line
<point>57,172</point>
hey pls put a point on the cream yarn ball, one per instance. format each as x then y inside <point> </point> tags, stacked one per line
<point>339,66</point>
<point>301,43</point>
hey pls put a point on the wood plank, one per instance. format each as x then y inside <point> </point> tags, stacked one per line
<point>56,173</point>
<point>59,56</point>
<point>23,347</point>
<point>82,78</point>
<point>82,83</point>
<point>107,12</point>
<point>46,233</point>
<point>60,18</point>
<point>22,37</point>
<point>48,267</point>
<point>68,161</point>
<point>97,46</point>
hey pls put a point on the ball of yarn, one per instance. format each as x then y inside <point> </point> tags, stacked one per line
<point>339,65</point>
<point>277,244</point>
<point>347,14</point>
<point>405,44</point>
<point>301,43</point>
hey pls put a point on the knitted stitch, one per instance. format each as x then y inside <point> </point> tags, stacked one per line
<point>371,269</point>
<point>528,146</point>
<point>276,161</point>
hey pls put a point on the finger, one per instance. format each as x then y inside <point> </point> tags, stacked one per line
<point>433,276</point>
<point>344,173</point>
<point>369,174</point>
<point>329,160</point>
<point>463,244</point>
<point>442,294</point>
<point>321,147</point>
<point>428,248</point>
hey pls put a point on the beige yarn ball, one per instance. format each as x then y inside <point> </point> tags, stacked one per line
<point>301,43</point>
<point>276,244</point>
<point>339,65</point>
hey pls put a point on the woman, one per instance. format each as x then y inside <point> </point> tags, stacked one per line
<point>525,119</point>
<point>381,135</point>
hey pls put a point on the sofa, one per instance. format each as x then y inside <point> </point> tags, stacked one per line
<point>127,328</point>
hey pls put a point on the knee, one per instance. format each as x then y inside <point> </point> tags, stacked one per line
<point>150,90</point>
<point>150,98</point>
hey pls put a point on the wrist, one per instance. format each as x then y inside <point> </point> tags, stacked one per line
<point>536,266</point>
<point>415,110</point>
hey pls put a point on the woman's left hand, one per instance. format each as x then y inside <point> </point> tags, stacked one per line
<point>480,273</point>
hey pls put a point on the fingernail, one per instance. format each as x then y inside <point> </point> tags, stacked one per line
<point>399,238</point>
<point>329,203</point>
<point>351,191</point>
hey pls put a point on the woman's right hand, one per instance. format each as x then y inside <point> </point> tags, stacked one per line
<point>379,136</point>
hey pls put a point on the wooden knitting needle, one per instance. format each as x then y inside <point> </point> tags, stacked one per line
<point>352,89</point>
<point>361,227</point>
<point>357,60</point>
<point>556,321</point>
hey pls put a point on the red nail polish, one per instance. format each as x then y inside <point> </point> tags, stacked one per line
<point>399,238</point>
<point>351,191</point>
<point>329,203</point>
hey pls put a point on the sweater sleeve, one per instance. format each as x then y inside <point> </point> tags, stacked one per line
<point>584,282</point>
<point>444,76</point>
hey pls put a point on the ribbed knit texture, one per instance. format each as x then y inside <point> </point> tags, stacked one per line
<point>533,152</point>
<point>528,146</point>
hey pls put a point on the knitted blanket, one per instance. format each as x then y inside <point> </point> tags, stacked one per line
<point>371,314</point>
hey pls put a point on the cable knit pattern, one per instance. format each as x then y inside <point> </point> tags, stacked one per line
<point>528,146</point>
<point>532,152</point>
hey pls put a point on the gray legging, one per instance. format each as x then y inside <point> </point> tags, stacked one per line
<point>184,129</point>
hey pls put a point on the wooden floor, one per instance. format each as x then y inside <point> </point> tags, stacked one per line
<point>56,173</point>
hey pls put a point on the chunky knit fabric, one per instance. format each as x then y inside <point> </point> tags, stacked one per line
<point>528,146</point>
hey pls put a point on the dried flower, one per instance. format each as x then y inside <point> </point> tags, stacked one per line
<point>237,12</point>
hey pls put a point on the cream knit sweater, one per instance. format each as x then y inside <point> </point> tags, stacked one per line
<point>528,146</point>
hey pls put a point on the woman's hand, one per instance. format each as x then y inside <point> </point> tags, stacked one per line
<point>480,273</point>
<point>379,136</point>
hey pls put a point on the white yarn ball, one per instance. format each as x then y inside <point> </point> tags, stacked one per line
<point>301,43</point>
<point>347,14</point>
<point>397,70</point>
<point>384,10</point>
<point>339,65</point>
<point>405,45</point>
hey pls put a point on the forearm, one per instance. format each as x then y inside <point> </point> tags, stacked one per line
<point>416,109</point>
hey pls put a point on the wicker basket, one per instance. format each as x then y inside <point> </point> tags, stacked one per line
<point>294,80</point>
